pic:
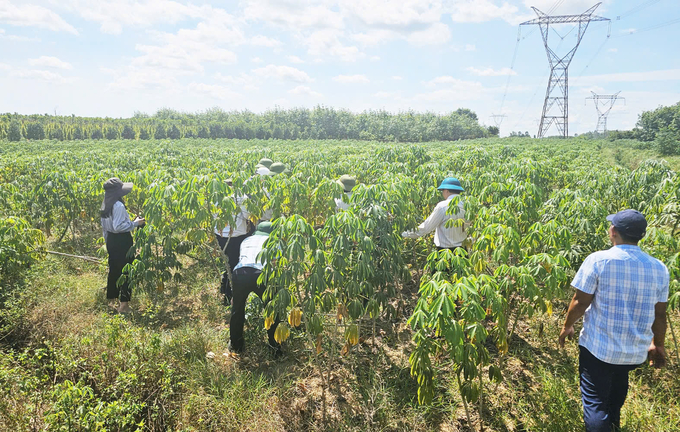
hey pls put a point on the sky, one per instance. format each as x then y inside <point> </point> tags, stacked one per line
<point>117,57</point>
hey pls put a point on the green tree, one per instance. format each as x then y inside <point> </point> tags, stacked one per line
<point>128,132</point>
<point>174,132</point>
<point>14,133</point>
<point>160,132</point>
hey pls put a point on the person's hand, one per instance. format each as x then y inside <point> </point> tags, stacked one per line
<point>140,222</point>
<point>656,356</point>
<point>567,332</point>
<point>408,234</point>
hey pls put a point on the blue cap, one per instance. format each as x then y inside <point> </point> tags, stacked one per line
<point>630,223</point>
<point>451,183</point>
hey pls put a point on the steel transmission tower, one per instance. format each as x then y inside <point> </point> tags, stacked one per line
<point>603,104</point>
<point>556,105</point>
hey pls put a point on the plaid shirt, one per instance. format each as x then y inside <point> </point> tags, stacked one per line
<point>627,284</point>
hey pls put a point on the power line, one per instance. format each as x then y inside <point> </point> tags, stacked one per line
<point>652,27</point>
<point>637,8</point>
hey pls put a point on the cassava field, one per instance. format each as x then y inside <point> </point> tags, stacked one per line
<point>391,336</point>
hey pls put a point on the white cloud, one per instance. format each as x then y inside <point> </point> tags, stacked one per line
<point>283,73</point>
<point>397,78</point>
<point>256,60</point>
<point>293,14</point>
<point>144,78</point>
<point>113,15</point>
<point>4,66</point>
<point>470,47</point>
<point>436,34</point>
<point>295,59</point>
<point>491,72</point>
<point>50,62</point>
<point>327,42</point>
<point>213,91</point>
<point>265,42</point>
<point>16,38</point>
<point>452,88</point>
<point>28,15</point>
<point>386,95</point>
<point>305,91</point>
<point>658,75</point>
<point>188,49</point>
<point>242,81</point>
<point>476,11</point>
<point>375,58</point>
<point>612,50</point>
<point>41,75</point>
<point>351,79</point>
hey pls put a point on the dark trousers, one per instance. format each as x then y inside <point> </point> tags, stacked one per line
<point>118,245</point>
<point>245,282</point>
<point>604,388</point>
<point>233,252</point>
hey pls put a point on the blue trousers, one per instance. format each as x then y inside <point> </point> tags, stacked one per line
<point>604,388</point>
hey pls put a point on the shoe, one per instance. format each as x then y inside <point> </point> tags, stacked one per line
<point>231,348</point>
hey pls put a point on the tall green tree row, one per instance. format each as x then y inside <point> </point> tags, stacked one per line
<point>289,124</point>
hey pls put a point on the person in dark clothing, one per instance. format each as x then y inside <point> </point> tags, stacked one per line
<point>116,228</point>
<point>244,278</point>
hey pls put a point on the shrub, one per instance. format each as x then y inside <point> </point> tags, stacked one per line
<point>666,143</point>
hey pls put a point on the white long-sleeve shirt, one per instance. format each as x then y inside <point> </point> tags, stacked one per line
<point>241,225</point>
<point>443,237</point>
<point>340,204</point>
<point>250,249</point>
<point>118,222</point>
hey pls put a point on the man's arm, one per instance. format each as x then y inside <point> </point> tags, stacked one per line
<point>432,222</point>
<point>657,352</point>
<point>577,308</point>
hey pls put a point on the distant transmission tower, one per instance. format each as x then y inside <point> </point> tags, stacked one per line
<point>497,120</point>
<point>556,105</point>
<point>604,104</point>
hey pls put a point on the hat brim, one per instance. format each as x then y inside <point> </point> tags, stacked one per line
<point>453,188</point>
<point>118,193</point>
<point>610,218</point>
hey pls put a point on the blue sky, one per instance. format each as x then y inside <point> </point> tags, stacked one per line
<point>115,57</point>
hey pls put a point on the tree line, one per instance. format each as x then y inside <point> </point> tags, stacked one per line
<point>658,129</point>
<point>287,124</point>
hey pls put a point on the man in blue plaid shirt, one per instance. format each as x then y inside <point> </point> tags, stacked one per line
<point>622,292</point>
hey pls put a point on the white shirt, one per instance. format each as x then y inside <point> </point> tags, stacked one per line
<point>118,222</point>
<point>627,284</point>
<point>241,225</point>
<point>250,249</point>
<point>340,204</point>
<point>443,237</point>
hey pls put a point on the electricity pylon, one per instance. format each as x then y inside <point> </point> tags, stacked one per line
<point>604,104</point>
<point>556,105</point>
<point>497,120</point>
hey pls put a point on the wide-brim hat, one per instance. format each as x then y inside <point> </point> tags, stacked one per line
<point>115,189</point>
<point>277,168</point>
<point>266,162</point>
<point>263,228</point>
<point>347,182</point>
<point>451,183</point>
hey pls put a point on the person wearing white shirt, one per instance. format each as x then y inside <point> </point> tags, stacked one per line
<point>347,182</point>
<point>245,276</point>
<point>444,237</point>
<point>230,238</point>
<point>116,228</point>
